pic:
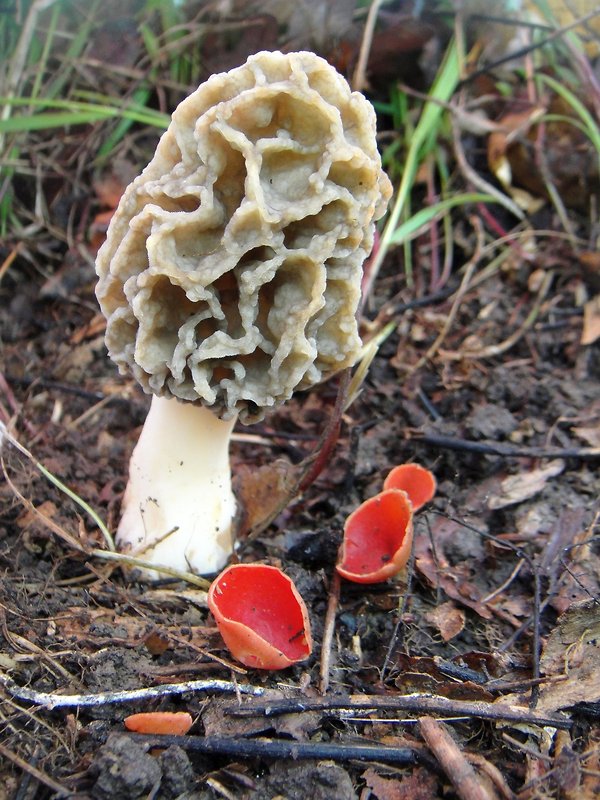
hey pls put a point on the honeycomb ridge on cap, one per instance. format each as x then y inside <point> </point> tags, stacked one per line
<point>231,270</point>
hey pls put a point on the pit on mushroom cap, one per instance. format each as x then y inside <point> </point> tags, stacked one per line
<point>230,278</point>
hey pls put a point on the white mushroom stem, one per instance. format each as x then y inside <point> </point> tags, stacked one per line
<point>178,508</point>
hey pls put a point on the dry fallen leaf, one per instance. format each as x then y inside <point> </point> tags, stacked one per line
<point>448,619</point>
<point>453,570</point>
<point>573,651</point>
<point>420,785</point>
<point>524,485</point>
<point>263,492</point>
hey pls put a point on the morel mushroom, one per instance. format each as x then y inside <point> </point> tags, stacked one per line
<point>230,277</point>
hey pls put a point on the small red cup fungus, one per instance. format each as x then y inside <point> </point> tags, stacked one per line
<point>176,723</point>
<point>377,538</point>
<point>261,616</point>
<point>418,483</point>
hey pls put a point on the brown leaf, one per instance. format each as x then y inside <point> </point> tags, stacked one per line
<point>264,492</point>
<point>156,644</point>
<point>456,579</point>
<point>448,619</point>
<point>109,189</point>
<point>573,651</point>
<point>47,509</point>
<point>590,435</point>
<point>420,785</point>
<point>516,488</point>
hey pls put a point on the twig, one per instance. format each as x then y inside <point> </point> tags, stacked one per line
<point>503,586</point>
<point>502,347</point>
<point>328,631</point>
<point>416,703</point>
<point>49,701</point>
<point>473,177</point>
<point>493,773</point>
<point>462,290</point>
<point>455,765</point>
<point>504,450</point>
<point>40,776</point>
<point>5,266</point>
<point>537,641</point>
<point>282,748</point>
<point>5,435</point>
<point>121,559</point>
<point>359,79</point>
<point>398,632</point>
<point>514,54</point>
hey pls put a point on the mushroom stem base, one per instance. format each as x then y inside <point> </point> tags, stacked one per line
<point>178,508</point>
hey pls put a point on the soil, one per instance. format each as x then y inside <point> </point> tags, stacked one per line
<point>500,404</point>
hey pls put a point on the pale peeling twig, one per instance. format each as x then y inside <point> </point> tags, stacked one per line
<point>50,701</point>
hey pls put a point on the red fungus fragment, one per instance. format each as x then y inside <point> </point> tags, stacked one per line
<point>418,483</point>
<point>159,722</point>
<point>377,538</point>
<point>261,616</point>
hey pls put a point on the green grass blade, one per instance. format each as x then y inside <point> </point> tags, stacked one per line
<point>409,229</point>
<point>74,113</point>
<point>591,126</point>
<point>425,133</point>
<point>140,98</point>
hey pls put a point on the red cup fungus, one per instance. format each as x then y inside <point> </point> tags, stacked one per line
<point>260,615</point>
<point>377,538</point>
<point>418,483</point>
<point>176,723</point>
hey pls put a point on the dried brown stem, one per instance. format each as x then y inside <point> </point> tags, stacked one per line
<point>328,631</point>
<point>455,765</point>
<point>39,776</point>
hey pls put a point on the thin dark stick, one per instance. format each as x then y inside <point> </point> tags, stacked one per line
<point>537,601</point>
<point>556,34</point>
<point>537,645</point>
<point>416,703</point>
<point>397,636</point>
<point>281,748</point>
<point>505,451</point>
